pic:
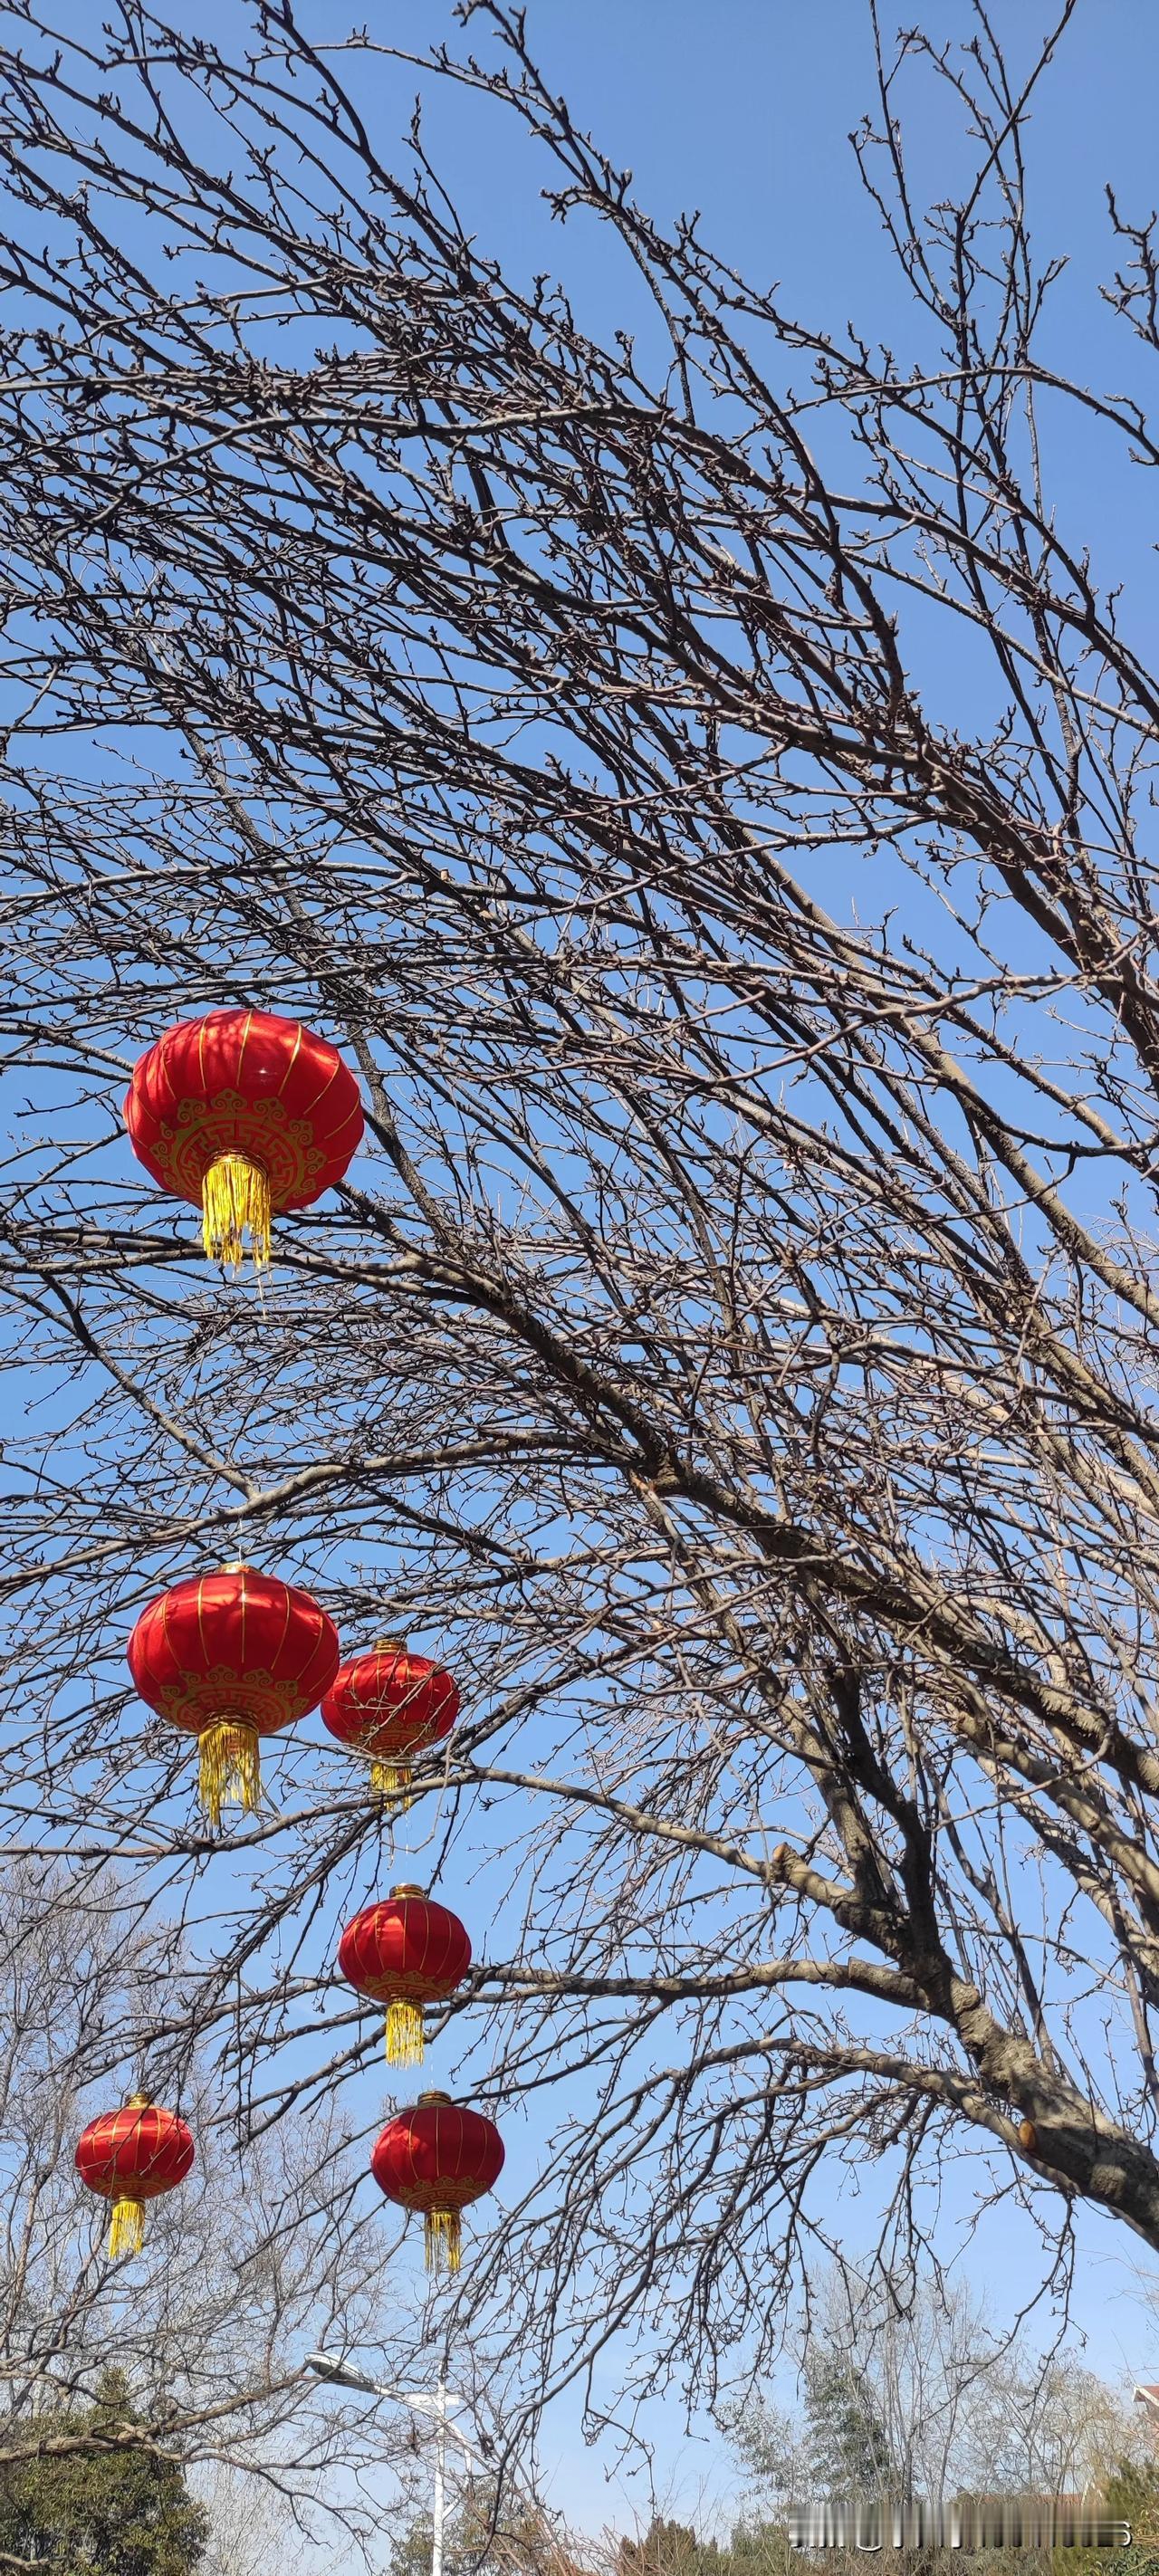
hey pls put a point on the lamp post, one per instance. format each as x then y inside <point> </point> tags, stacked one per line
<point>343,2375</point>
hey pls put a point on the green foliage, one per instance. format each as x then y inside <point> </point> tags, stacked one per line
<point>847,2447</point>
<point>760,2547</point>
<point>516,2540</point>
<point>670,2549</point>
<point>121,2512</point>
<point>769,2444</point>
<point>756,2548</point>
<point>1132,2492</point>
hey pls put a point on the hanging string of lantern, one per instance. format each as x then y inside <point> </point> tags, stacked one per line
<point>249,1116</point>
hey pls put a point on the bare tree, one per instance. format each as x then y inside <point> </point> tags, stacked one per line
<point>242,2269</point>
<point>704,784</point>
<point>250,2526</point>
<point>961,2408</point>
<point>1058,2432</point>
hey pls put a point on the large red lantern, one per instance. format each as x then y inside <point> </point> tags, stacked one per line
<point>129,2157</point>
<point>390,1705</point>
<point>232,1656</point>
<point>243,1113</point>
<point>437,2158</point>
<point>405,1953</point>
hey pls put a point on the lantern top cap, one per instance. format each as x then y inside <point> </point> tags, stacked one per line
<point>389,1646</point>
<point>407,1888</point>
<point>139,2102</point>
<point>237,1565</point>
<point>440,2099</point>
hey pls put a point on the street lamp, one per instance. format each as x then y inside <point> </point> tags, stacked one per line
<point>343,2375</point>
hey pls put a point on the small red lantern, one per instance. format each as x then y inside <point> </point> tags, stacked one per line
<point>129,2157</point>
<point>389,1705</point>
<point>405,1953</point>
<point>232,1656</point>
<point>438,2158</point>
<point>243,1113</point>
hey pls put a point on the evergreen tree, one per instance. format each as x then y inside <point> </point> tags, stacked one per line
<point>484,2536</point>
<point>1132,2494</point>
<point>848,2449</point>
<point>123,2511</point>
<point>670,2549</point>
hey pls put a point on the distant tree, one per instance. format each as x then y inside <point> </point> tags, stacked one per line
<point>1054,2431</point>
<point>915,2394</point>
<point>210,2326</point>
<point>1130,2490</point>
<point>670,2549</point>
<point>252,2526</point>
<point>847,2446</point>
<point>759,2546</point>
<point>488,2535</point>
<point>924,2401</point>
<point>116,2505</point>
<point>772,2447</point>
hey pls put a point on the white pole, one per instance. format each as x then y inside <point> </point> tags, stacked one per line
<point>440,2479</point>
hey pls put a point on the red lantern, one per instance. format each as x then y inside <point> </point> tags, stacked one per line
<point>129,2157</point>
<point>389,1705</point>
<point>232,1656</point>
<point>404,1954</point>
<point>243,1113</point>
<point>438,2158</point>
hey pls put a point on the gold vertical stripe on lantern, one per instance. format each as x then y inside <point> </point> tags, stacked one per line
<point>443,2240</point>
<point>229,1768</point>
<point>235,1199</point>
<point>404,2033</point>
<point>127,2232</point>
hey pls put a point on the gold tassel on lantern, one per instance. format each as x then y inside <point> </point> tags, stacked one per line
<point>443,2240</point>
<point>392,1780</point>
<point>127,2233</point>
<point>235,1198</point>
<point>404,2033</point>
<point>230,1768</point>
